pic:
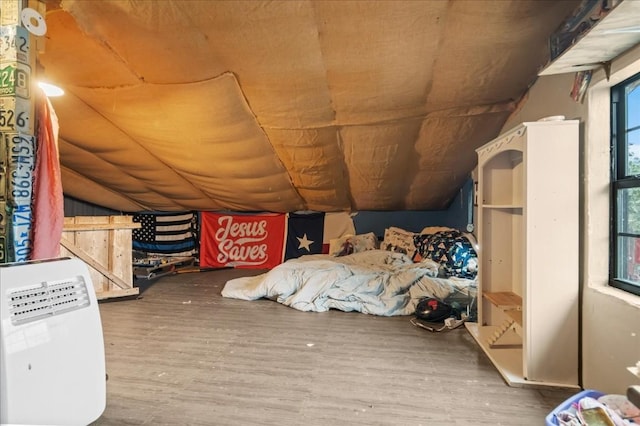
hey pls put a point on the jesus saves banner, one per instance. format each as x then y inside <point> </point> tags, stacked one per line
<point>242,241</point>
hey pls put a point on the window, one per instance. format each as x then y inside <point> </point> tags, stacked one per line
<point>625,214</point>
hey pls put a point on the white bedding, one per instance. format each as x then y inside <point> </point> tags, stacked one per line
<point>375,282</point>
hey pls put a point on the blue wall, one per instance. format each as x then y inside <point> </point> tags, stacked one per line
<point>75,207</point>
<point>458,215</point>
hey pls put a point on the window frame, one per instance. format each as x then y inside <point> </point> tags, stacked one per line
<point>619,179</point>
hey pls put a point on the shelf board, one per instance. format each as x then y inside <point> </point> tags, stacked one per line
<point>501,206</point>
<point>507,360</point>
<point>74,227</point>
<point>505,300</point>
<point>516,315</point>
<point>613,35</point>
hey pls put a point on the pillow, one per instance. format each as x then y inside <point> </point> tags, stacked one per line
<point>398,240</point>
<point>452,250</point>
<point>434,229</point>
<point>353,244</point>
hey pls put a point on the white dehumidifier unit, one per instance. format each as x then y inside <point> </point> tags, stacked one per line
<point>52,362</point>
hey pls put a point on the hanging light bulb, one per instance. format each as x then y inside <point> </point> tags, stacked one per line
<point>50,90</point>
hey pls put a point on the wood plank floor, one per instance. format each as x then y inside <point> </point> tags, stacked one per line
<point>181,354</point>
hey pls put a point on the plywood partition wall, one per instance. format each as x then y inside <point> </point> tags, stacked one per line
<point>104,243</point>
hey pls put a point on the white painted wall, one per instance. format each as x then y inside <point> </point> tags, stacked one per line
<point>610,317</point>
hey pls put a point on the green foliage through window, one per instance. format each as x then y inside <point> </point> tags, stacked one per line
<point>625,186</point>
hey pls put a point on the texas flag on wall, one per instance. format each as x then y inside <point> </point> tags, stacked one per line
<point>242,241</point>
<point>305,232</point>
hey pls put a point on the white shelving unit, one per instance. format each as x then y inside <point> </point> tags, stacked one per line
<point>528,248</point>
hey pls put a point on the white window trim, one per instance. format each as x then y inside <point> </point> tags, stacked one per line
<point>598,175</point>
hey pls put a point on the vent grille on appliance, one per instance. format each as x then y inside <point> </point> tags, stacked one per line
<point>49,298</point>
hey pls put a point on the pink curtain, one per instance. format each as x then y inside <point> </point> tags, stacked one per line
<point>48,199</point>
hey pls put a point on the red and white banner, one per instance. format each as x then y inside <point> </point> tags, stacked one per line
<point>336,225</point>
<point>242,241</point>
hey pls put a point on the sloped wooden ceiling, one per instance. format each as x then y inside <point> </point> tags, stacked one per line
<point>285,105</point>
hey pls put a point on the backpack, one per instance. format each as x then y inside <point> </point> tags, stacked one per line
<point>433,310</point>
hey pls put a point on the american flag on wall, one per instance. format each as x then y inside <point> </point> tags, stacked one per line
<point>169,234</point>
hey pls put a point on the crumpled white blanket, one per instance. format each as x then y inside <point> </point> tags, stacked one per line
<point>376,282</point>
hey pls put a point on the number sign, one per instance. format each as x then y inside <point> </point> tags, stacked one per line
<point>3,249</point>
<point>20,167</point>
<point>15,115</point>
<point>10,12</point>
<point>14,45</point>
<point>15,80</point>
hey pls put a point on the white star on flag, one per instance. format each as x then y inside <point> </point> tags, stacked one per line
<point>304,242</point>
